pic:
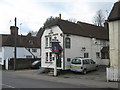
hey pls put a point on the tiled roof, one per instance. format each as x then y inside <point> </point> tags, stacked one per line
<point>81,29</point>
<point>115,13</point>
<point>22,41</point>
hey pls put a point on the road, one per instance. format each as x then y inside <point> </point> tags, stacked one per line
<point>13,80</point>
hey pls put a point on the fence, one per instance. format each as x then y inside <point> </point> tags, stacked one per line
<point>21,63</point>
<point>113,74</point>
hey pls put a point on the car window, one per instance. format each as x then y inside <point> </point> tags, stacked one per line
<point>86,61</point>
<point>76,61</point>
<point>92,62</point>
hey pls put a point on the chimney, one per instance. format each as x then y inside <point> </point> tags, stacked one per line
<point>60,16</point>
<point>14,30</point>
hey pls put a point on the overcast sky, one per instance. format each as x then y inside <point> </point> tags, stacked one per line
<point>31,14</point>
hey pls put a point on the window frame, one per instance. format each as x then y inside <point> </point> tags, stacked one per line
<point>67,42</point>
<point>86,55</point>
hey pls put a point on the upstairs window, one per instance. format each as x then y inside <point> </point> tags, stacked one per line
<point>67,42</point>
<point>50,41</point>
<point>34,50</point>
<point>46,41</point>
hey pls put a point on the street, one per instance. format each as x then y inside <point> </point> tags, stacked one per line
<point>13,80</point>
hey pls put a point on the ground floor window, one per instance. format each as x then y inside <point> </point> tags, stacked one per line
<point>98,54</point>
<point>86,55</point>
<point>104,55</point>
<point>28,56</point>
<point>49,56</point>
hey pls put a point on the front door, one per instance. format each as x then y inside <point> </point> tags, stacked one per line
<point>58,60</point>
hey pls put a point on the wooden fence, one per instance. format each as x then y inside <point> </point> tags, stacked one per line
<point>21,63</point>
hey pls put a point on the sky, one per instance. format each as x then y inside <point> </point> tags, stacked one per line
<point>31,14</point>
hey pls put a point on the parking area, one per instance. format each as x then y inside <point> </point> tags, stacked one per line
<point>100,74</point>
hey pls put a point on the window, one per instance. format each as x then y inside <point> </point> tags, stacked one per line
<point>86,55</point>
<point>46,41</point>
<point>98,54</point>
<point>76,61</point>
<point>92,62</point>
<point>103,43</point>
<point>68,59</point>
<point>47,56</point>
<point>28,56</point>
<point>86,61</point>
<point>105,55</point>
<point>34,50</point>
<point>0,49</point>
<point>50,56</point>
<point>30,41</point>
<point>50,41</point>
<point>68,42</point>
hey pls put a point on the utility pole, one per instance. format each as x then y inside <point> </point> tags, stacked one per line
<point>15,36</point>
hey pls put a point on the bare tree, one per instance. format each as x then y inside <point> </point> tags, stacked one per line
<point>99,18</point>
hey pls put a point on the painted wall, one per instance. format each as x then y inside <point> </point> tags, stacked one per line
<point>114,36</point>
<point>55,30</point>
<point>77,42</point>
<point>8,52</point>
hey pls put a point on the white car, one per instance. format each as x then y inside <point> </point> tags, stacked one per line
<point>83,65</point>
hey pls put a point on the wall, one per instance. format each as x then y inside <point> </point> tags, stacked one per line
<point>104,62</point>
<point>77,42</point>
<point>55,30</point>
<point>8,52</point>
<point>114,36</point>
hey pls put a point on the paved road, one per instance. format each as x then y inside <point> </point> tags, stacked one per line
<point>13,80</point>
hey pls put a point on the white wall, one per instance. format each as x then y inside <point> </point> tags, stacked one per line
<point>8,52</point>
<point>114,36</point>
<point>56,30</point>
<point>77,42</point>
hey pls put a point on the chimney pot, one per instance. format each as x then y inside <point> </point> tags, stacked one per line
<point>60,16</point>
<point>14,30</point>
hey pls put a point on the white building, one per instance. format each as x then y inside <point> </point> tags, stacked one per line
<point>77,40</point>
<point>27,46</point>
<point>113,73</point>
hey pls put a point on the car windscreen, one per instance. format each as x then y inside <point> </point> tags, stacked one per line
<point>76,61</point>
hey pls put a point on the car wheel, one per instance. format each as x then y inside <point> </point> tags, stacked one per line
<point>84,71</point>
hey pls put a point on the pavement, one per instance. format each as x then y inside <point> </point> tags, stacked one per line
<point>94,79</point>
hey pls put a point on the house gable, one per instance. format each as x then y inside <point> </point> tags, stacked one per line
<point>115,13</point>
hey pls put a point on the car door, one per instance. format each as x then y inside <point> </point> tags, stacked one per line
<point>86,64</point>
<point>93,64</point>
